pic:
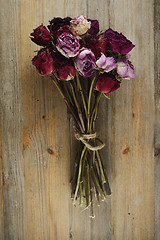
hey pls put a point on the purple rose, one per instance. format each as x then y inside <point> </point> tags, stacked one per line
<point>106,63</point>
<point>68,45</point>
<point>41,35</point>
<point>85,62</point>
<point>118,42</point>
<point>57,23</point>
<point>125,69</point>
<point>43,62</point>
<point>94,27</point>
<point>107,83</point>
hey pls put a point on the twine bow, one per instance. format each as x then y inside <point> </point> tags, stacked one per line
<point>84,137</point>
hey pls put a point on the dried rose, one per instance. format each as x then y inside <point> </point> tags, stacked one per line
<point>94,29</point>
<point>125,68</point>
<point>106,63</point>
<point>68,45</point>
<point>107,83</point>
<point>118,42</point>
<point>57,23</point>
<point>97,45</point>
<point>41,35</point>
<point>63,68</point>
<point>43,62</point>
<point>79,25</point>
<point>85,62</point>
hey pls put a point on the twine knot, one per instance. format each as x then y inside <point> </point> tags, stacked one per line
<point>83,137</point>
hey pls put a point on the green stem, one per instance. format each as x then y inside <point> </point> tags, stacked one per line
<point>87,185</point>
<point>103,179</point>
<point>81,193</point>
<point>67,102</point>
<point>97,184</point>
<point>89,101</point>
<point>81,92</point>
<point>78,108</point>
<point>95,111</point>
<point>79,174</point>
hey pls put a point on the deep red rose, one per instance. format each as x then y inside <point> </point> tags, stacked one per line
<point>118,42</point>
<point>57,23</point>
<point>41,35</point>
<point>63,68</point>
<point>106,83</point>
<point>59,32</point>
<point>43,62</point>
<point>94,27</point>
<point>97,45</point>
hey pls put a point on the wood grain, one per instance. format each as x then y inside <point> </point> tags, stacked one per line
<point>130,124</point>
<point>36,159</point>
<point>157,116</point>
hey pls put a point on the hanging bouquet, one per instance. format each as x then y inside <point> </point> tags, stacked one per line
<point>85,65</point>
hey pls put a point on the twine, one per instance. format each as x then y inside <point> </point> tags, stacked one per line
<point>84,137</point>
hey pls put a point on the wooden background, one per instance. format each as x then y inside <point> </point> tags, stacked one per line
<point>36,132</point>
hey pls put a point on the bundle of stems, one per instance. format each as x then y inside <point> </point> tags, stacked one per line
<point>89,180</point>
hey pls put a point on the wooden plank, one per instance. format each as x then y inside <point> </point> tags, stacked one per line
<point>13,183</point>
<point>1,192</point>
<point>157,116</point>
<point>130,124</point>
<point>34,147</point>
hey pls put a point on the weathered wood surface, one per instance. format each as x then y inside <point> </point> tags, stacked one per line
<point>157,117</point>
<point>35,156</point>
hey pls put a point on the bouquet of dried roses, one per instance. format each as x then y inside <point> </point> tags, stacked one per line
<point>85,65</point>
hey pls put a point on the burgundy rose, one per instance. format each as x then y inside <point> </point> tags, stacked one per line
<point>41,35</point>
<point>57,23</point>
<point>58,33</point>
<point>97,45</point>
<point>106,83</point>
<point>43,62</point>
<point>63,68</point>
<point>94,27</point>
<point>68,45</point>
<point>85,62</point>
<point>118,42</point>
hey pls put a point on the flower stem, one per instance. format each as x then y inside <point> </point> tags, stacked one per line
<point>79,174</point>
<point>78,108</point>
<point>103,179</point>
<point>81,92</point>
<point>89,101</point>
<point>67,102</point>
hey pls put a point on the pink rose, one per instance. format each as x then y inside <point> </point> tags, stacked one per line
<point>106,83</point>
<point>125,69</point>
<point>79,25</point>
<point>106,63</point>
<point>43,62</point>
